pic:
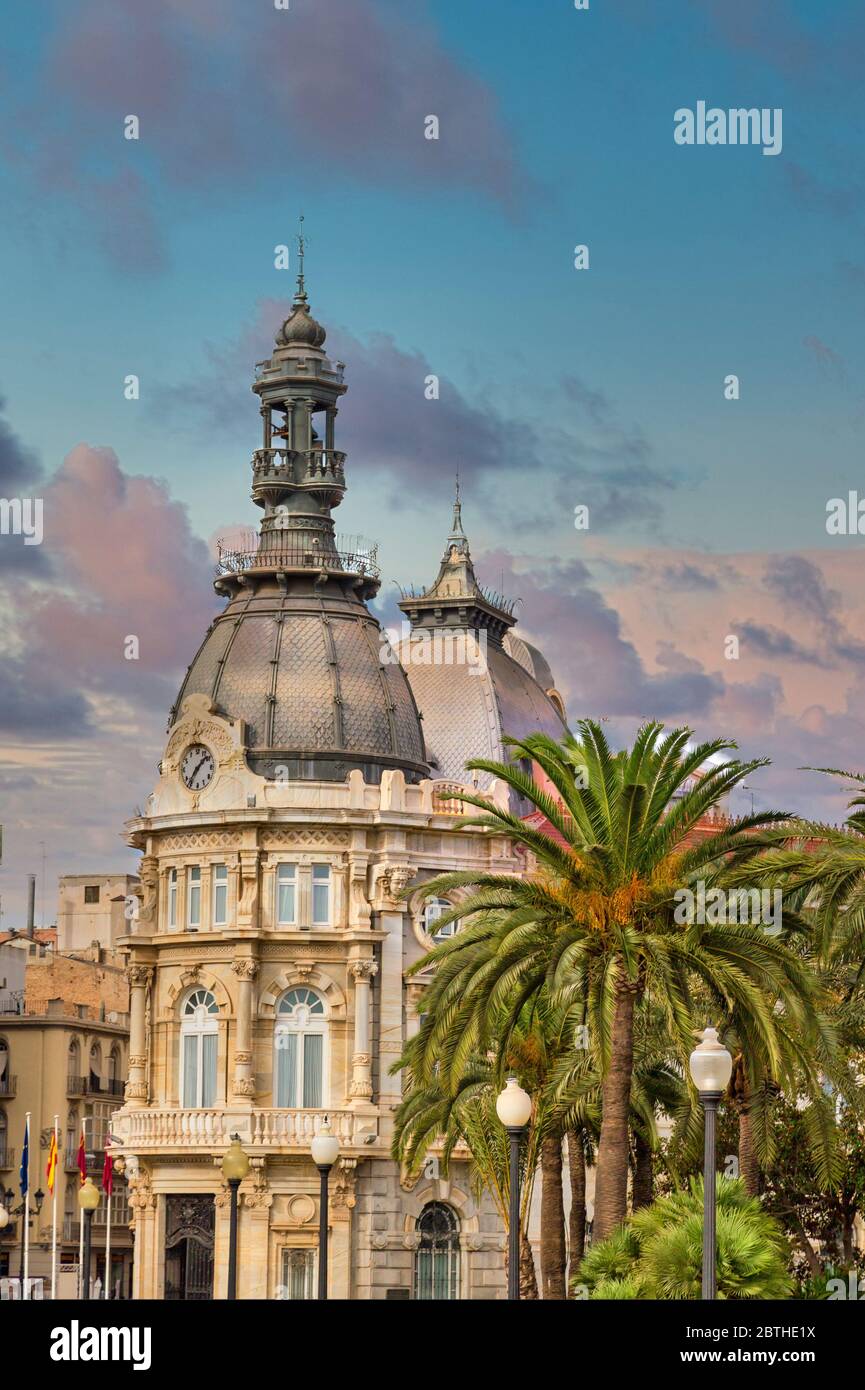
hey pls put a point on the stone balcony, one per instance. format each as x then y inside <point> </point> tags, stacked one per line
<point>170,1131</point>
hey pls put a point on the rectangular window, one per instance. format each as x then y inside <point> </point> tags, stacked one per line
<point>286,875</point>
<point>298,1268</point>
<point>286,1070</point>
<point>91,893</point>
<point>321,895</point>
<point>313,1052</point>
<point>193,912</point>
<point>172,898</point>
<point>220,895</point>
<point>190,1072</point>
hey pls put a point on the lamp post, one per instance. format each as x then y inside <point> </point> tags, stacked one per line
<point>711,1069</point>
<point>235,1166</point>
<point>514,1109</point>
<point>88,1201</point>
<point>325,1152</point>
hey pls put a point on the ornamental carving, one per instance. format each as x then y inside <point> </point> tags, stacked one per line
<point>411,1240</point>
<point>245,968</point>
<point>198,731</point>
<point>259,1198</point>
<point>363,969</point>
<point>137,1059</point>
<point>378,1240</point>
<point>135,1090</point>
<point>393,881</point>
<point>201,839</point>
<point>323,840</point>
<point>244,1086</point>
<point>344,1196</point>
<point>140,976</point>
<point>148,872</point>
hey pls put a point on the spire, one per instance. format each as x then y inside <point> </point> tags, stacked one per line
<point>456,599</point>
<point>300,328</point>
<point>300,295</point>
<point>457,532</point>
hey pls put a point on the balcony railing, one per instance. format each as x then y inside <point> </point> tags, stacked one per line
<point>298,466</point>
<point>7,1158</point>
<point>212,1129</point>
<point>93,1086</point>
<point>8,1085</point>
<point>358,557</point>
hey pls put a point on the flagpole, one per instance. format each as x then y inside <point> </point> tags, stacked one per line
<point>26,1217</point>
<point>54,1210</point>
<point>108,1237</point>
<point>82,1145</point>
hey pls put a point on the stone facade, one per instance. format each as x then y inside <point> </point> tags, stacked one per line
<point>376,840</point>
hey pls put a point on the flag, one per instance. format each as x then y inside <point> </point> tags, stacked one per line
<point>51,1170</point>
<point>24,1174</point>
<point>108,1174</point>
<point>82,1158</point>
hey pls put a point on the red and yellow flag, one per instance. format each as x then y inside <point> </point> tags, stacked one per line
<point>51,1170</point>
<point>82,1158</point>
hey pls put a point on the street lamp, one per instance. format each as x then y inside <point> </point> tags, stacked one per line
<point>711,1069</point>
<point>325,1151</point>
<point>514,1109</point>
<point>235,1166</point>
<point>88,1201</point>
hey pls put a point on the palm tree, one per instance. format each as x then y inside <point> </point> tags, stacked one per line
<point>595,919</point>
<point>658,1254</point>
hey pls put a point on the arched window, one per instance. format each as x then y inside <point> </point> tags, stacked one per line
<point>300,1036</point>
<point>72,1137</point>
<point>114,1072</point>
<point>437,1258</point>
<point>95,1068</point>
<point>433,910</point>
<point>4,1062</point>
<point>4,1134</point>
<point>199,1026</point>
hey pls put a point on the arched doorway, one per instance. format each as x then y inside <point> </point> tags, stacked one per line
<point>189,1225</point>
<point>437,1258</point>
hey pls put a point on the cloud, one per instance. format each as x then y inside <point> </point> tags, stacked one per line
<point>609,466</point>
<point>352,81</point>
<point>601,671</point>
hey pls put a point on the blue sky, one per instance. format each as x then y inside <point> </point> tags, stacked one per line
<point>156,258</point>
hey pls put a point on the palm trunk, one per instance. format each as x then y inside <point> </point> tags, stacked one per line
<point>577,1218</point>
<point>553,1256</point>
<point>611,1182</point>
<point>528,1278</point>
<point>643,1187</point>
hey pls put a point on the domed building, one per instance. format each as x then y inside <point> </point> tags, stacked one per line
<point>473,679</point>
<point>298,797</point>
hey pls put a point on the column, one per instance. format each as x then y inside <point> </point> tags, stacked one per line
<point>140,978</point>
<point>246,970</point>
<point>361,1062</point>
<point>414,998</point>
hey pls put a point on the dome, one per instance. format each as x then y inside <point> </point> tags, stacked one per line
<point>300,328</point>
<point>306,675</point>
<point>467,709</point>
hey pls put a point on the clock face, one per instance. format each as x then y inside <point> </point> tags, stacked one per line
<point>197,767</point>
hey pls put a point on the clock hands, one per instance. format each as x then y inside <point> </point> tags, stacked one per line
<point>199,767</point>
